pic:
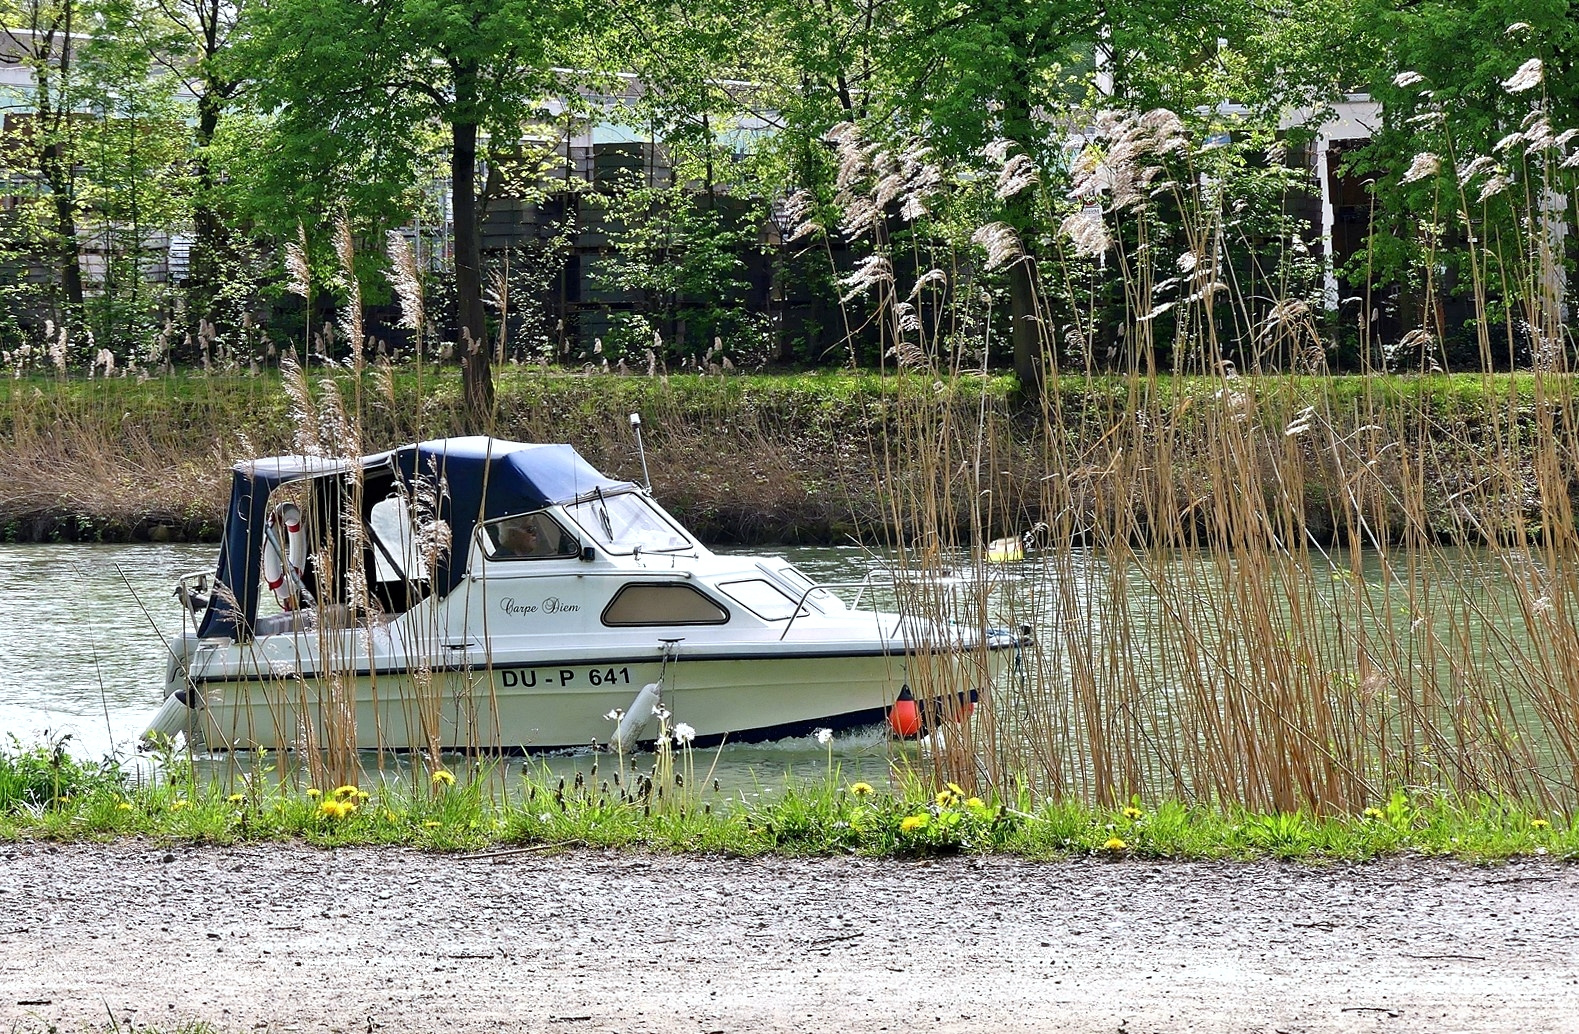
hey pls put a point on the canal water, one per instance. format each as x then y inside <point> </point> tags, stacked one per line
<point>82,656</point>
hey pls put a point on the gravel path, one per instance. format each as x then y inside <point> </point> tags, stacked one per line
<point>287,938</point>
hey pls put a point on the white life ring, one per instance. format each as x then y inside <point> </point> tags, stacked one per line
<point>285,532</point>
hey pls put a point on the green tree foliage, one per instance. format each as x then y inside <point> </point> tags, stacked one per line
<point>1467,164</point>
<point>185,48</point>
<point>43,37</point>
<point>358,90</point>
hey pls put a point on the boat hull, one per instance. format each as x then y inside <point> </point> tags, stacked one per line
<point>551,706</point>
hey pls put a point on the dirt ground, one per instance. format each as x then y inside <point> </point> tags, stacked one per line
<point>287,938</point>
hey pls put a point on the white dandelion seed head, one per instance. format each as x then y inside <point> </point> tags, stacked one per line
<point>684,734</point>
<point>824,736</point>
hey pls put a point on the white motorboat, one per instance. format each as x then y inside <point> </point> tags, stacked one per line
<point>473,593</point>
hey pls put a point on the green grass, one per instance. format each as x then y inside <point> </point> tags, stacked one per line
<point>44,795</point>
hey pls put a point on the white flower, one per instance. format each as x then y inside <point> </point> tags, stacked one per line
<point>1526,78</point>
<point>684,734</point>
<point>614,715</point>
<point>824,737</point>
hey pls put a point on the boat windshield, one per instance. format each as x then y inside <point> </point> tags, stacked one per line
<point>626,523</point>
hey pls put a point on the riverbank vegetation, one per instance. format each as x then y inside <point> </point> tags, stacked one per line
<point>610,802</point>
<point>785,459</point>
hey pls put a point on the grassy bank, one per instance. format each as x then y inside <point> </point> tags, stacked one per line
<point>45,794</point>
<point>825,458</point>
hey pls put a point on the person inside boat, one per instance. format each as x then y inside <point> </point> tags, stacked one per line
<point>523,536</point>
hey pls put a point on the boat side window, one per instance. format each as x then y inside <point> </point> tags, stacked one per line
<point>529,536</point>
<point>662,603</point>
<point>813,593</point>
<point>762,598</point>
<point>626,522</point>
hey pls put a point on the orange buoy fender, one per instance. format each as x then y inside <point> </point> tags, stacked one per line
<point>904,718</point>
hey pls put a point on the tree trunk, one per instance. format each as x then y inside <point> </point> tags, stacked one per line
<point>58,177</point>
<point>205,270</point>
<point>472,325</point>
<point>1025,321</point>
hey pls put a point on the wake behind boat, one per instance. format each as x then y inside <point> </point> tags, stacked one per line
<point>471,593</point>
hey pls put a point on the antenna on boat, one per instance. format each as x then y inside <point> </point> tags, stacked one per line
<point>636,426</point>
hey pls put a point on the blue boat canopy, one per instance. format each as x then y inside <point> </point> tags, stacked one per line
<point>479,479</point>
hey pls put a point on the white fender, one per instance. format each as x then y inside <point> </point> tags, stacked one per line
<point>285,535</point>
<point>636,717</point>
<point>174,717</point>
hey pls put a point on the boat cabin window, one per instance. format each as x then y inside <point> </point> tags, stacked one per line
<point>662,603</point>
<point>806,589</point>
<point>628,523</point>
<point>762,598</point>
<point>529,536</point>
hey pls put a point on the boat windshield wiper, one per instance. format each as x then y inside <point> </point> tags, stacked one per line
<point>603,517</point>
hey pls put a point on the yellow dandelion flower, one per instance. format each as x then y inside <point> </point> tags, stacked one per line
<point>1133,813</point>
<point>1374,813</point>
<point>390,816</point>
<point>331,809</point>
<point>313,791</point>
<point>443,777</point>
<point>911,823</point>
<point>430,824</point>
<point>947,798</point>
<point>1539,824</point>
<point>347,808</point>
<point>178,805</point>
<point>123,806</point>
<point>348,790</point>
<point>235,798</point>
<point>860,789</point>
<point>955,789</point>
<point>976,802</point>
<point>1114,844</point>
